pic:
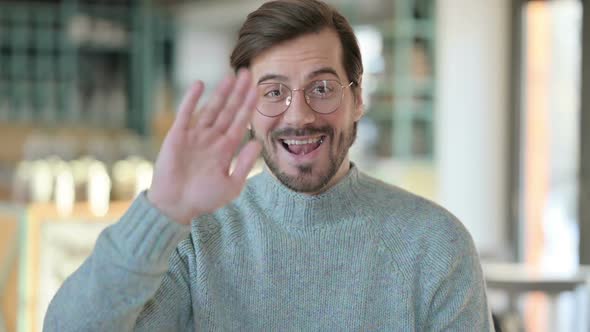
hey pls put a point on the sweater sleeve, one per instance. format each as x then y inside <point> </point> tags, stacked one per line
<point>126,275</point>
<point>454,285</point>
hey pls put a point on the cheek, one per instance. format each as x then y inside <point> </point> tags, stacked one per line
<point>262,125</point>
<point>339,121</point>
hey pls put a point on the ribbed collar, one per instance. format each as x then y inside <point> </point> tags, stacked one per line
<point>338,204</point>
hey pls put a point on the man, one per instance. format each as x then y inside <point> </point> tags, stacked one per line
<point>312,243</point>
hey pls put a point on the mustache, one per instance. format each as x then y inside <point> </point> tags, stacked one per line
<point>306,131</point>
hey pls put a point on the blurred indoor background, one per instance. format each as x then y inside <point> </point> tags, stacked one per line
<point>482,106</point>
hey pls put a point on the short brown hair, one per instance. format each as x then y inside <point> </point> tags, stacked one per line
<point>282,20</point>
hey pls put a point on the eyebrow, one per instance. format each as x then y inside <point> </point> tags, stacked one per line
<point>283,78</point>
<point>323,70</point>
<point>277,77</point>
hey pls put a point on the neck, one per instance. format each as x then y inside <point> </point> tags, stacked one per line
<point>304,210</point>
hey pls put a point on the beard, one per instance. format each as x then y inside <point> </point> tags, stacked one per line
<point>309,178</point>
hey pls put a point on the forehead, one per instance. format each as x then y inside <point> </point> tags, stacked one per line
<point>298,58</point>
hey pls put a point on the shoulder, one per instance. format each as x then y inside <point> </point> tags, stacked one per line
<point>413,225</point>
<point>402,207</point>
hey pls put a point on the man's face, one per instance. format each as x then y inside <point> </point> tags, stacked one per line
<point>307,151</point>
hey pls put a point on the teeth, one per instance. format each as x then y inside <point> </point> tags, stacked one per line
<point>301,142</point>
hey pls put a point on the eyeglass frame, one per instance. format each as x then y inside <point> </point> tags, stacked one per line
<point>305,97</point>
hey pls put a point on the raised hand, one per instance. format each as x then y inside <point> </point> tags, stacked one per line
<point>192,173</point>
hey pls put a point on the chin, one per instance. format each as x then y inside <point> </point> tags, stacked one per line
<point>305,177</point>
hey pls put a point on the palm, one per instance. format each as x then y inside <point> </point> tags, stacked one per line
<point>192,174</point>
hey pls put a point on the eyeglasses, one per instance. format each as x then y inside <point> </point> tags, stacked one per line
<point>323,97</point>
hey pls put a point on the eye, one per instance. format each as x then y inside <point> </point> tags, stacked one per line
<point>321,89</point>
<point>273,93</point>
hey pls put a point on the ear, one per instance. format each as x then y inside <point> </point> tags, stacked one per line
<point>359,108</point>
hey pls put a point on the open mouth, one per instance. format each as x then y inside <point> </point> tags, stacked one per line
<point>302,146</point>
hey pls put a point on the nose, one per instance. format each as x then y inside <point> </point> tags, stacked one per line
<point>299,113</point>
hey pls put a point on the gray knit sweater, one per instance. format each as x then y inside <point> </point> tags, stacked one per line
<point>363,256</point>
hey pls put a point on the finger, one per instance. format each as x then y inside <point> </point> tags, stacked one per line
<point>210,111</point>
<point>245,161</point>
<point>187,106</point>
<point>244,115</point>
<point>236,99</point>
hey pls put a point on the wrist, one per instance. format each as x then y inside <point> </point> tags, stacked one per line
<point>169,209</point>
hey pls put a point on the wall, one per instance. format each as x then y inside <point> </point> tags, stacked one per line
<point>471,116</point>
